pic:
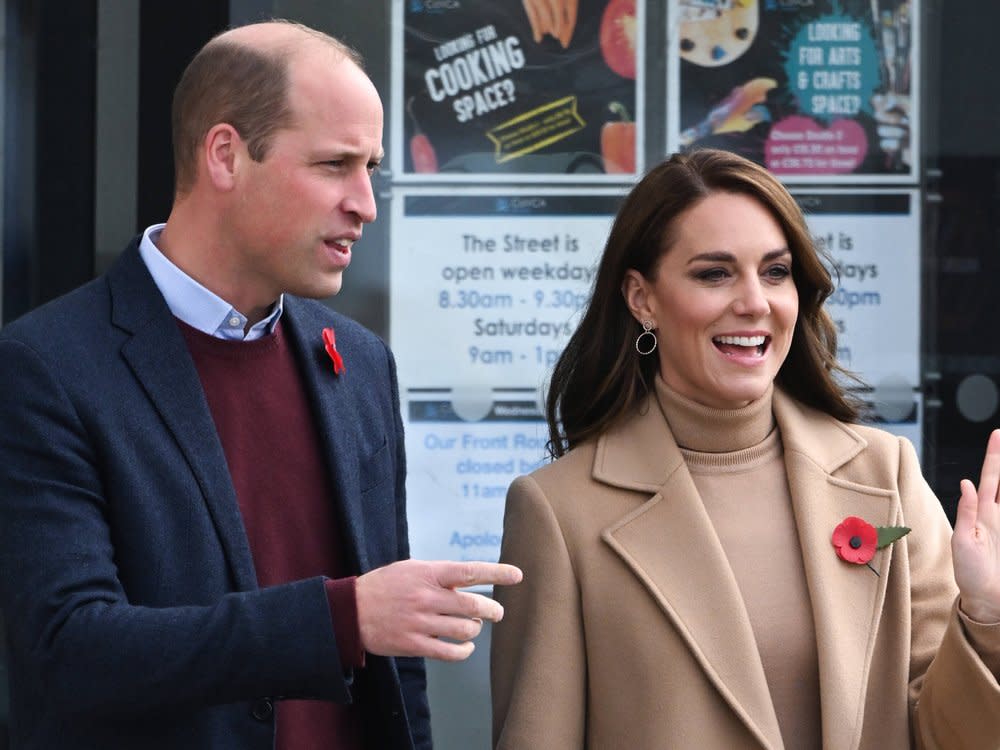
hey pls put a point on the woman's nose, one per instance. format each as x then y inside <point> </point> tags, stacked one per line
<point>751,300</point>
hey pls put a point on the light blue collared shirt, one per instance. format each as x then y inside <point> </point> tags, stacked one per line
<point>194,304</point>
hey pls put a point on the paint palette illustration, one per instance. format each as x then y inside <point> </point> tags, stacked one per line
<point>716,32</point>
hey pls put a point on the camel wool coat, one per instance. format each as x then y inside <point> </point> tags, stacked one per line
<point>629,630</point>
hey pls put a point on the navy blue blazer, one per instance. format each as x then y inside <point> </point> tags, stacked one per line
<point>134,619</point>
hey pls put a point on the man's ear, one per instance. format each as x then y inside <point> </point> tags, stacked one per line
<point>222,150</point>
<point>638,296</point>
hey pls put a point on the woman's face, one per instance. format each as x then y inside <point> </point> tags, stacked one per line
<point>723,302</point>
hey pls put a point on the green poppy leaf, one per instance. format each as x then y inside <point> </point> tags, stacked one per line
<point>889,534</point>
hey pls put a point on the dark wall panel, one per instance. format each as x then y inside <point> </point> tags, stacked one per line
<point>49,148</point>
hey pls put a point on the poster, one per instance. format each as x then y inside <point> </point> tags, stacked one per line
<point>818,91</point>
<point>515,89</point>
<point>873,243</point>
<point>486,288</point>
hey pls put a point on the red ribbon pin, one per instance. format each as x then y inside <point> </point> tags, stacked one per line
<point>330,343</point>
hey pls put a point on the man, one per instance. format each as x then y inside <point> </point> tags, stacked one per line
<point>202,540</point>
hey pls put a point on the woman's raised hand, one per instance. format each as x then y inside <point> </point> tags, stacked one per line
<point>975,544</point>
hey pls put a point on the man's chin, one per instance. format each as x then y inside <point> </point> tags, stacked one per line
<point>329,287</point>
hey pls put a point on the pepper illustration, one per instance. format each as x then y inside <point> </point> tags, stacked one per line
<point>618,142</point>
<point>421,150</point>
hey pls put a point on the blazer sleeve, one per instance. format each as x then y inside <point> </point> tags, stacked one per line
<point>954,698</point>
<point>412,673</point>
<point>78,644</point>
<point>538,656</point>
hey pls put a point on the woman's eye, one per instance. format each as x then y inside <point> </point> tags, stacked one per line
<point>779,272</point>
<point>712,274</point>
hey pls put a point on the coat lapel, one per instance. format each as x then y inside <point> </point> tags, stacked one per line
<point>158,356</point>
<point>846,599</point>
<point>333,408</point>
<point>671,546</point>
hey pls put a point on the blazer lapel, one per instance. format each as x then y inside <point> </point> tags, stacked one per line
<point>332,401</point>
<point>671,546</point>
<point>158,356</point>
<point>847,599</point>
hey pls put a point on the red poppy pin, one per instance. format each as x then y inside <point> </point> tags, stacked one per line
<point>330,344</point>
<point>856,540</point>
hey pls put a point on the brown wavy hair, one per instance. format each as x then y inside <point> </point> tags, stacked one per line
<point>599,378</point>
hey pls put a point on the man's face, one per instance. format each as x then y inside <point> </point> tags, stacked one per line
<point>299,211</point>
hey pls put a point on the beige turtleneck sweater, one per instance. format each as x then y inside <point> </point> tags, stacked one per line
<point>737,463</point>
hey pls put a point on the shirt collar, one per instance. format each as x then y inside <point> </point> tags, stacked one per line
<point>197,306</point>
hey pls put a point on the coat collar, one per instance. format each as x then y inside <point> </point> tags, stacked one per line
<point>670,545</point>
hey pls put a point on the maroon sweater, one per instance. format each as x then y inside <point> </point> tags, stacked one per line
<point>262,414</point>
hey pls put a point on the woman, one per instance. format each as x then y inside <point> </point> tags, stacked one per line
<point>681,584</point>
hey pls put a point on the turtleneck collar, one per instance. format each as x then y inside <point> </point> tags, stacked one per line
<point>702,428</point>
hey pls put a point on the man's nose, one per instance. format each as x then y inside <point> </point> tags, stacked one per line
<point>360,197</point>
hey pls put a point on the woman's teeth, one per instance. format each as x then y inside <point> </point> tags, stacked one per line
<point>741,340</point>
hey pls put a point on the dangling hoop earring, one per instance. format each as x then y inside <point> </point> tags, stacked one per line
<point>647,330</point>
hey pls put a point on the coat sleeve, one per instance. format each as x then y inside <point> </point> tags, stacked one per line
<point>538,653</point>
<point>412,673</point>
<point>954,698</point>
<point>78,645</point>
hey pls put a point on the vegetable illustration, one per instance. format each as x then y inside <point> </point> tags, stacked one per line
<point>618,142</point>
<point>618,27</point>
<point>421,149</point>
<point>554,17</point>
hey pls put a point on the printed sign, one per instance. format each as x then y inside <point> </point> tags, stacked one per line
<point>872,240</point>
<point>815,90</point>
<point>486,289</point>
<point>514,88</point>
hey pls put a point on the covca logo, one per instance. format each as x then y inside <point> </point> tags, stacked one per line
<point>788,4</point>
<point>434,6</point>
<point>506,205</point>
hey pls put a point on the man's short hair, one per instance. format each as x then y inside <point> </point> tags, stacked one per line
<point>236,83</point>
